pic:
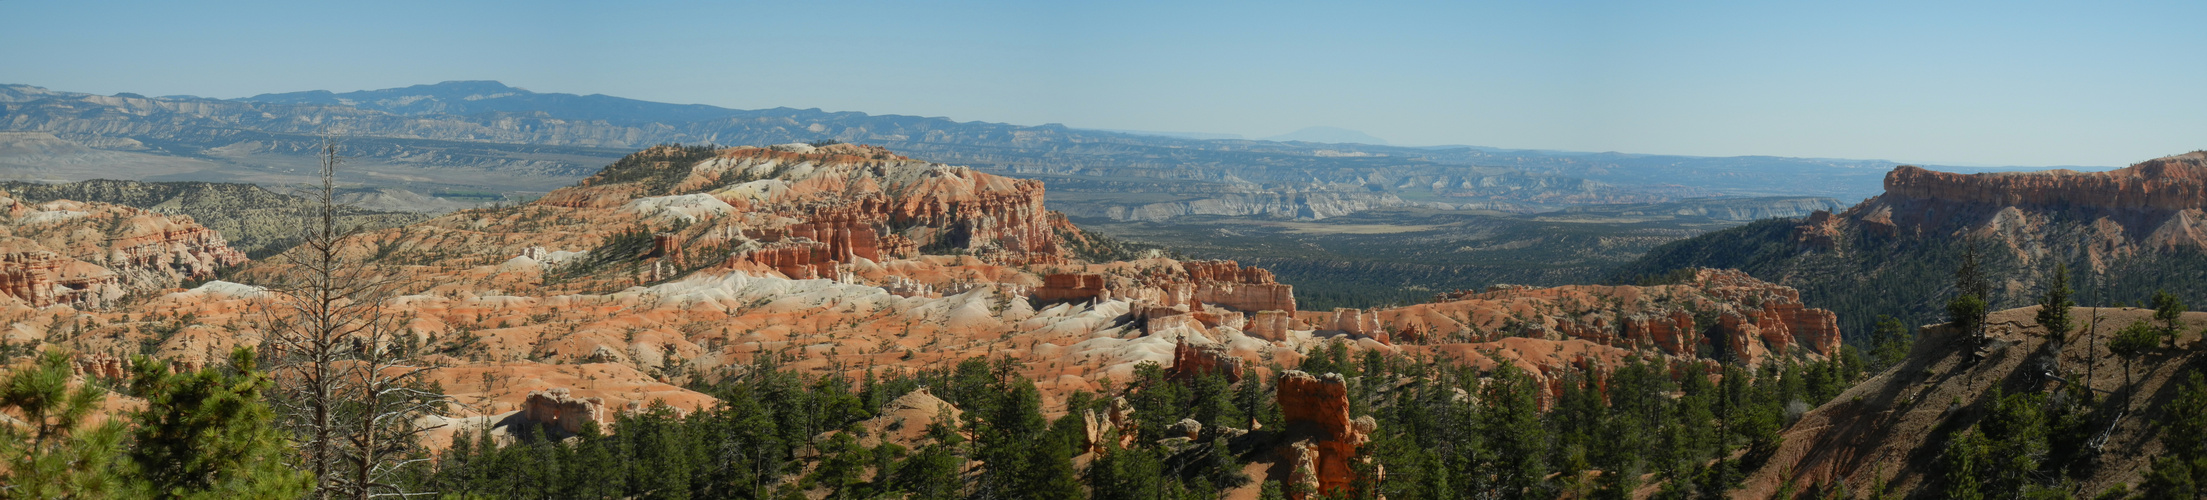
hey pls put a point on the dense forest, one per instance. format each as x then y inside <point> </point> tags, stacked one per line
<point>1444,431</point>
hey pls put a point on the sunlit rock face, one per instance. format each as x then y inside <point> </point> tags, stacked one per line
<point>2154,205</point>
<point>89,254</point>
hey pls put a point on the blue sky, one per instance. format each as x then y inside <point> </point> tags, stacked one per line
<point>1967,83</point>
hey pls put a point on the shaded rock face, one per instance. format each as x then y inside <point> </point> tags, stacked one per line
<point>555,409</point>
<point>1323,440</point>
<point>89,254</point>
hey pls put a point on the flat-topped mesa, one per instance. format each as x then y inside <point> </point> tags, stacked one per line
<point>2155,204</point>
<point>2171,183</point>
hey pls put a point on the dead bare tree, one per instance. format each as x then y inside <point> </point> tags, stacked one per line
<point>347,388</point>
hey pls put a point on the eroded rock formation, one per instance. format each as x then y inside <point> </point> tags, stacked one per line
<point>89,254</point>
<point>1322,440</point>
<point>1070,287</point>
<point>555,409</point>
<point>1191,361</point>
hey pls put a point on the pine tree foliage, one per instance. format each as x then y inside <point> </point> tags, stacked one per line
<point>55,453</point>
<point>209,433</point>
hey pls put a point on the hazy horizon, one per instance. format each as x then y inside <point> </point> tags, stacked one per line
<point>1985,84</point>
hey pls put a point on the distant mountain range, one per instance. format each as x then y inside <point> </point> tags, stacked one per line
<point>1330,135</point>
<point>473,139</point>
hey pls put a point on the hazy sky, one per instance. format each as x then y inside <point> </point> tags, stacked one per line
<point>2007,83</point>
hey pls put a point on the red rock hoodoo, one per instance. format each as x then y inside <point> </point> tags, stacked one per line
<point>1323,439</point>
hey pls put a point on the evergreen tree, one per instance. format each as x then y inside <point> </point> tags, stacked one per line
<point>931,473</point>
<point>1017,460</point>
<point>208,434</point>
<point>597,471</point>
<point>1890,343</point>
<point>52,454</point>
<point>1126,474</point>
<point>2182,468</point>
<point>2016,434</point>
<point>2053,308</point>
<point>1509,417</point>
<point>1963,465</point>
<point>2132,342</point>
<point>1972,296</point>
<point>2169,311</point>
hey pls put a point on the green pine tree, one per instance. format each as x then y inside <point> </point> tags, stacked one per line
<point>2169,311</point>
<point>1509,418</point>
<point>1890,342</point>
<point>2016,433</point>
<point>2183,467</point>
<point>931,473</point>
<point>1972,295</point>
<point>53,454</point>
<point>1963,466</point>
<point>2132,342</point>
<point>2053,308</point>
<point>209,434</point>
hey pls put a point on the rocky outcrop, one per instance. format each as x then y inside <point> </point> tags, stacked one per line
<point>1116,425</point>
<point>1221,282</point>
<point>1355,322</point>
<point>1070,287</point>
<point>42,278</point>
<point>1323,440</point>
<point>554,409</point>
<point>1270,325</point>
<point>1191,361</point>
